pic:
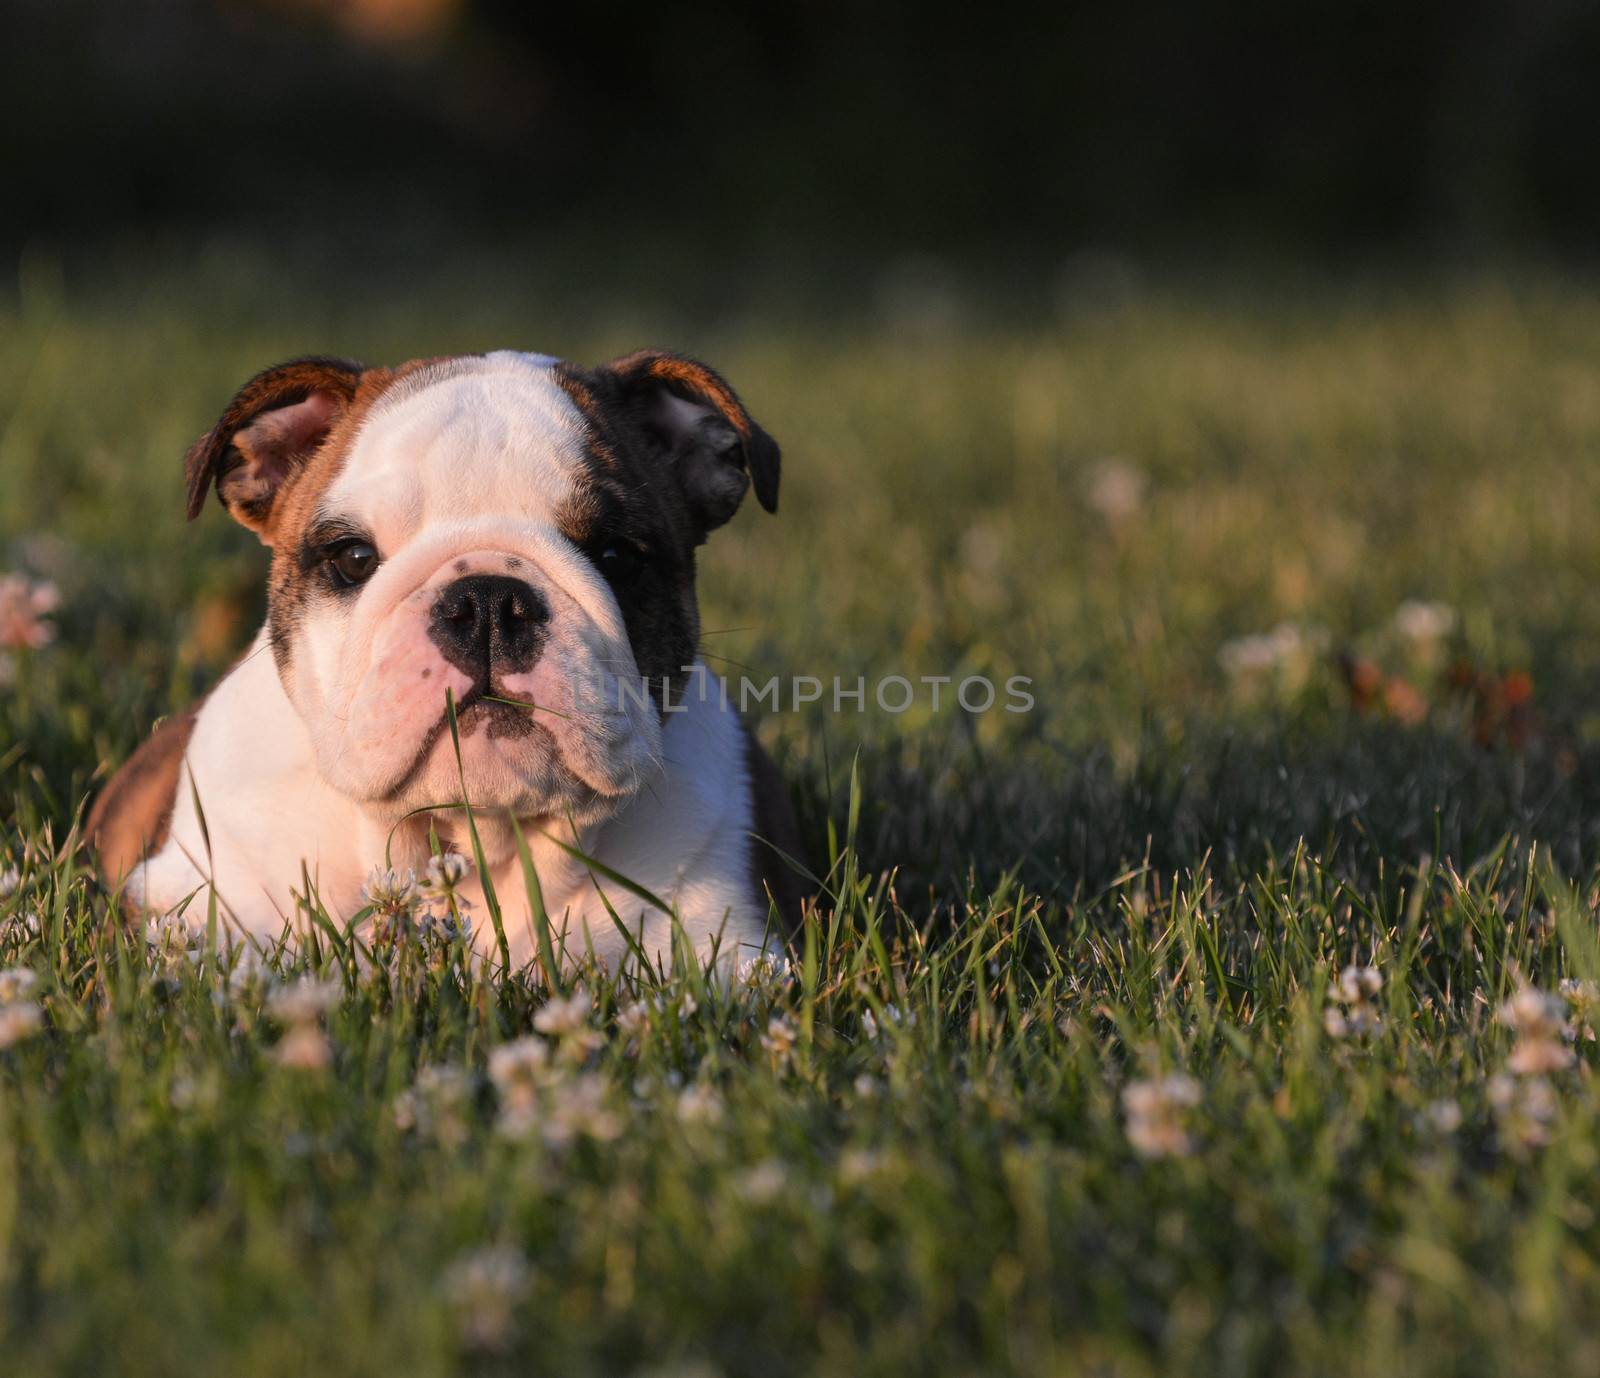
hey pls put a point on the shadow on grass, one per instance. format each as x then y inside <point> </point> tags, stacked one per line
<point>1367,799</point>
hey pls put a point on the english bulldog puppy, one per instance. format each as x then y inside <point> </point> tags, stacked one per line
<point>516,533</point>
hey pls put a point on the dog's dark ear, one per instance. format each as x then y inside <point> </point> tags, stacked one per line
<point>702,429</point>
<point>274,424</point>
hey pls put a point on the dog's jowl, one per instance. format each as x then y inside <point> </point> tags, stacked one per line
<point>512,534</point>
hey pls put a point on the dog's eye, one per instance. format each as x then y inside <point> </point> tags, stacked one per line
<point>618,561</point>
<point>353,562</point>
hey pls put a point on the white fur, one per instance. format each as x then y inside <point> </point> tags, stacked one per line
<point>313,774</point>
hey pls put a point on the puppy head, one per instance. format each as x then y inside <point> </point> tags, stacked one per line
<point>510,530</point>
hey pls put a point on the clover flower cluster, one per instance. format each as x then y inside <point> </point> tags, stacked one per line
<point>1157,1112</point>
<point>172,942</point>
<point>436,1106</point>
<point>428,913</point>
<point>537,1084</point>
<point>1353,1012</point>
<point>24,921</point>
<point>778,1042</point>
<point>485,1289</point>
<point>20,1015</point>
<point>300,1008</point>
<point>1523,1096</point>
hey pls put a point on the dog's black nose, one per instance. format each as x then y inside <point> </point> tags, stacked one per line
<point>487,622</point>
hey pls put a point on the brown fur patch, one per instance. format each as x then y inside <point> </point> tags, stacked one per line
<point>290,584</point>
<point>130,819</point>
<point>213,457</point>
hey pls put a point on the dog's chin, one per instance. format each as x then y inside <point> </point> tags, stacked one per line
<point>508,763</point>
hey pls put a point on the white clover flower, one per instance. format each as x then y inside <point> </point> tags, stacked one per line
<point>1355,989</point>
<point>170,936</point>
<point>519,1062</point>
<point>866,1086</point>
<point>1424,622</point>
<point>687,1005</point>
<point>1357,983</point>
<point>1444,1116</point>
<point>304,1001</point>
<point>780,1038</point>
<point>1116,489</point>
<point>18,1021</point>
<point>892,1018</point>
<point>444,873</point>
<point>1534,1013</point>
<point>16,982</point>
<point>10,882</point>
<point>1525,1109</point>
<point>27,921</point>
<point>516,1070</point>
<point>1248,655</point>
<point>304,1048</point>
<point>1537,1057</point>
<point>1502,1090</point>
<point>435,1105</point>
<point>519,1115</point>
<point>765,970</point>
<point>190,1093</point>
<point>577,1110</point>
<point>1538,1018</point>
<point>484,1289</point>
<point>633,1021</point>
<point>391,891</point>
<point>444,1083</point>
<point>700,1104</point>
<point>560,1016</point>
<point>1581,995</point>
<point>762,1183</point>
<point>1156,1113</point>
<point>1583,999</point>
<point>858,1165</point>
<point>1288,649</point>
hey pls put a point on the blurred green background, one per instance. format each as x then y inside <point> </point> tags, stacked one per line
<point>1164,354</point>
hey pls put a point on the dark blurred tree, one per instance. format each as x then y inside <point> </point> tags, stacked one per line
<point>1033,126</point>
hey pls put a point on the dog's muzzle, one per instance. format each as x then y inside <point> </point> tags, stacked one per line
<point>489,625</point>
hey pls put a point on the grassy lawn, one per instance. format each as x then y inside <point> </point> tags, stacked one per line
<point>1187,1023</point>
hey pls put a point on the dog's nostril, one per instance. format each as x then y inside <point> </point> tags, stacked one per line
<point>515,607</point>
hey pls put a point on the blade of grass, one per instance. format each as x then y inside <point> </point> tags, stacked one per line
<point>484,878</point>
<point>538,916</point>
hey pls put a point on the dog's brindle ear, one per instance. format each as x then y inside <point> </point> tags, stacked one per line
<point>274,424</point>
<point>702,429</point>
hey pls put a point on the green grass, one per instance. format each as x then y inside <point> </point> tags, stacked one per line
<point>1161,870</point>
